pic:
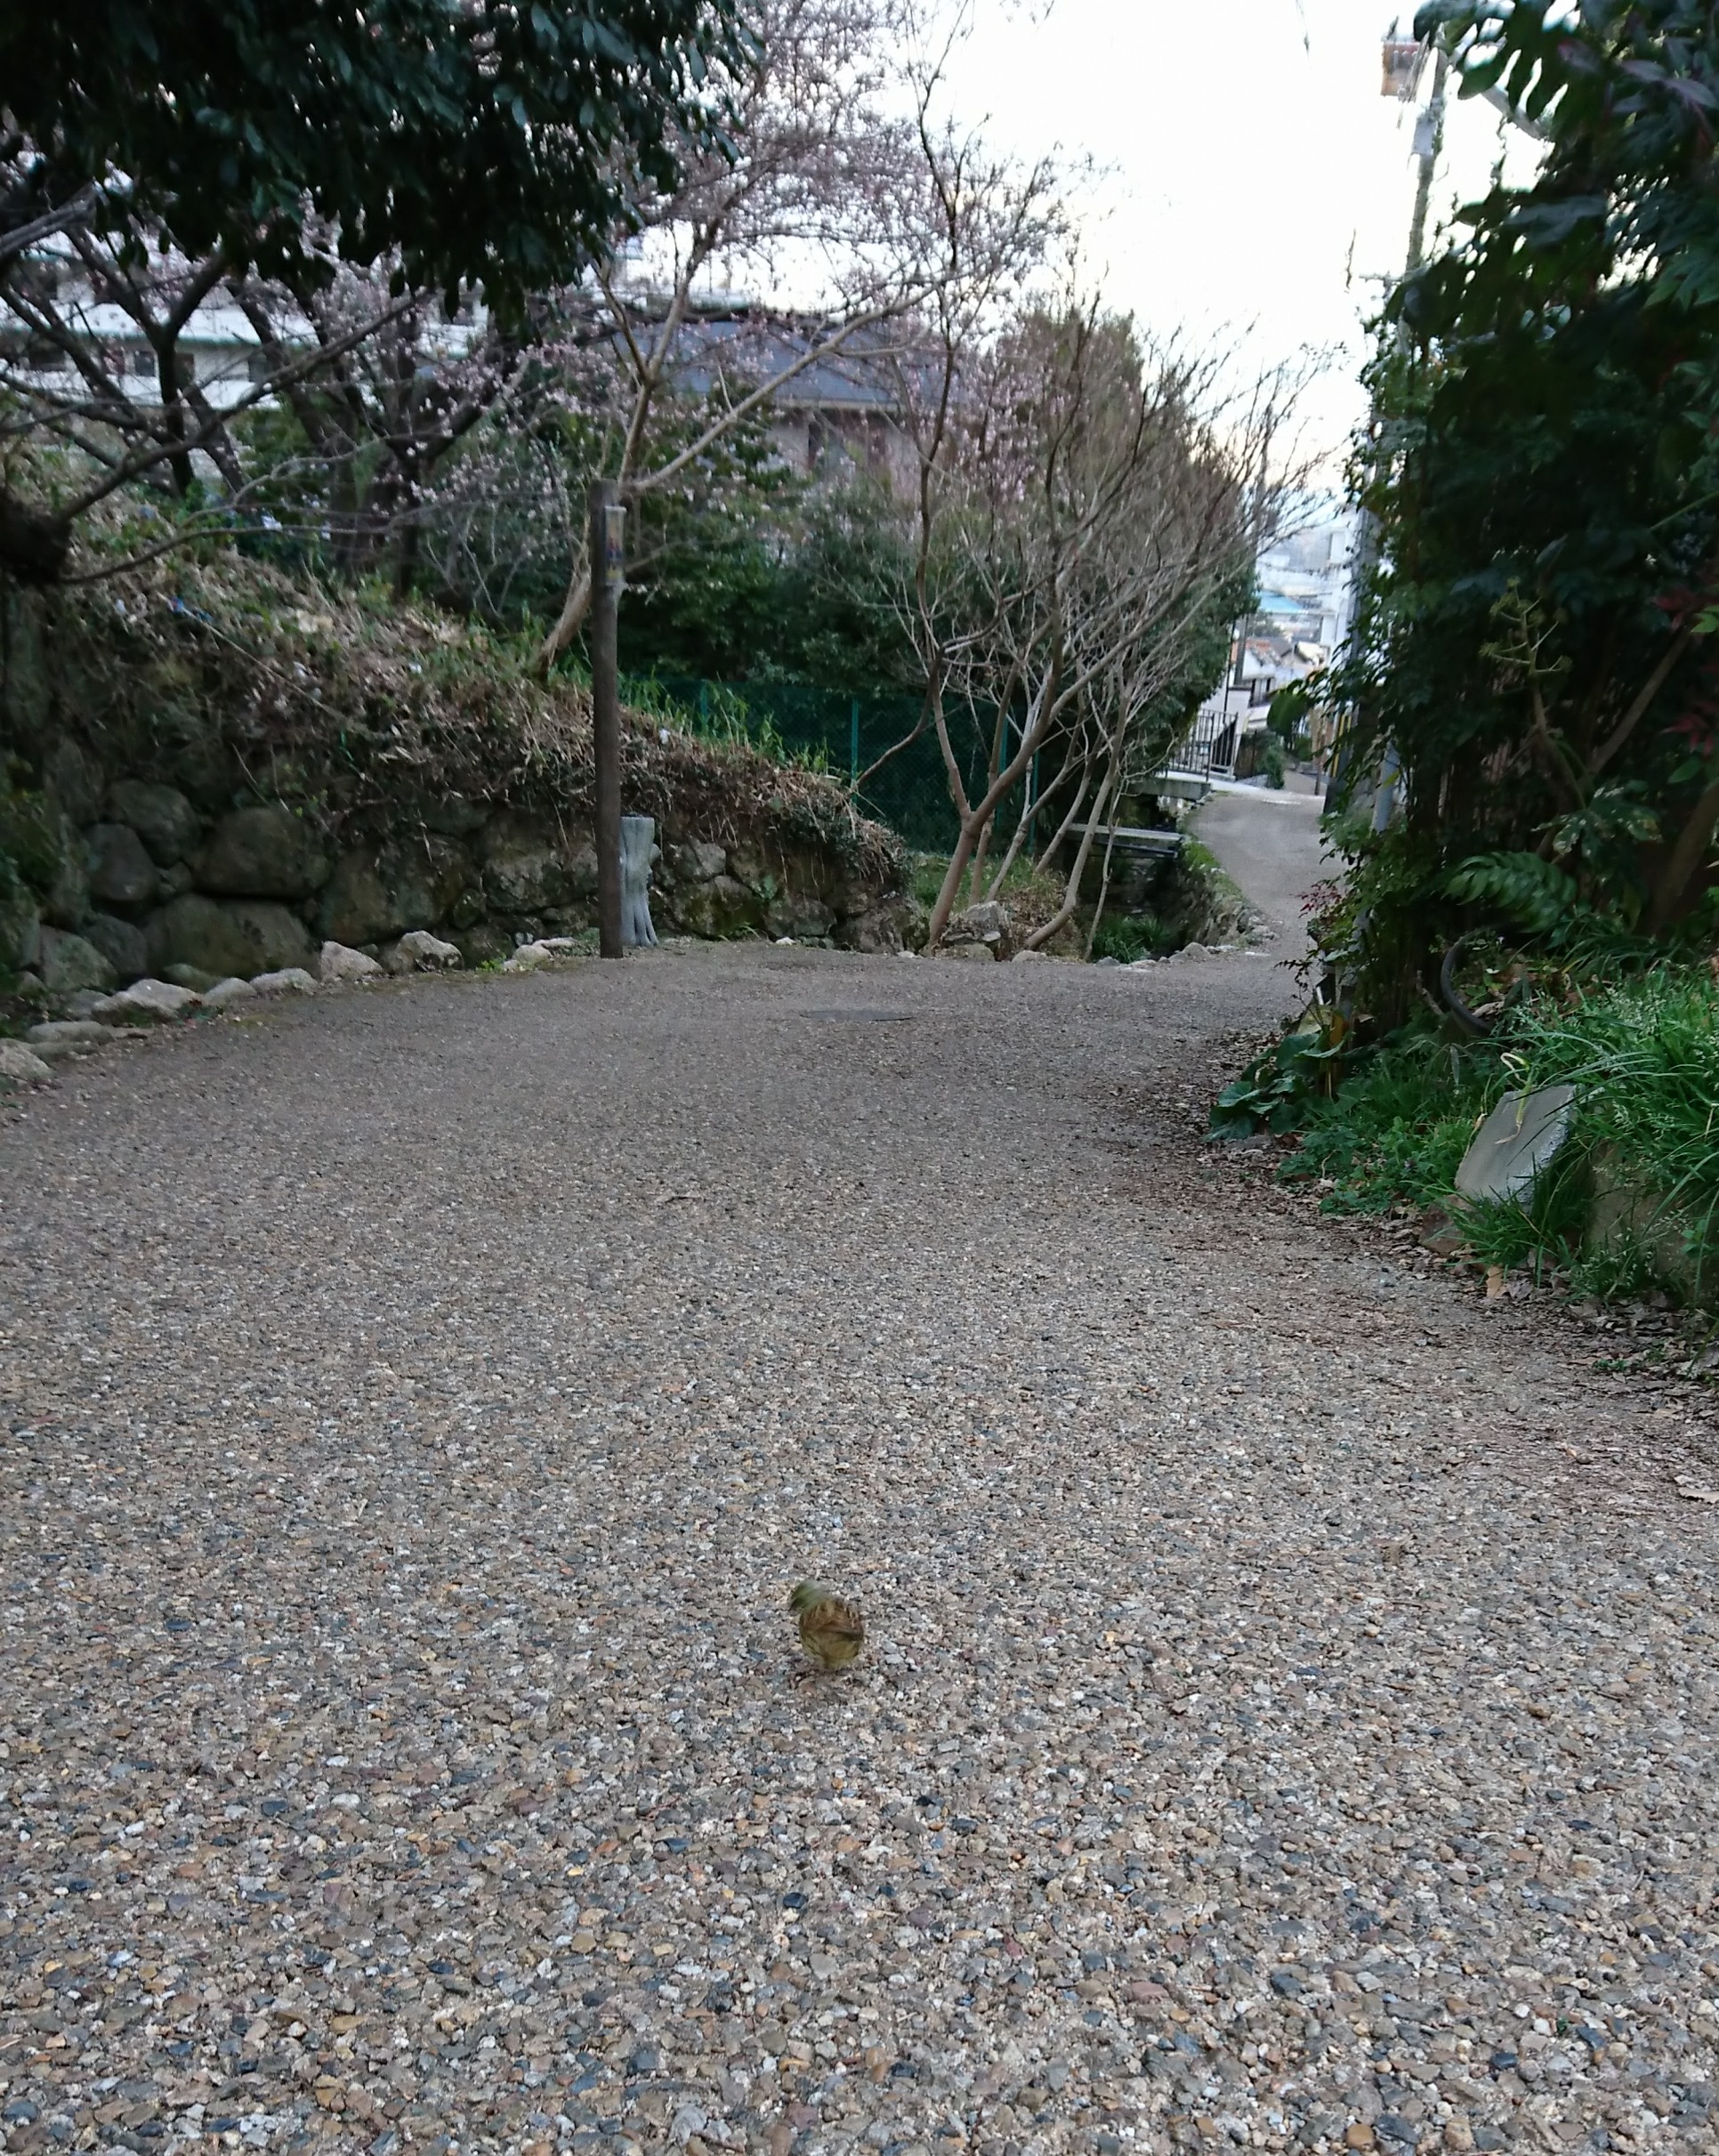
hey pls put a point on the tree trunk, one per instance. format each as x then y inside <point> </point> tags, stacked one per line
<point>971,827</point>
<point>173,415</point>
<point>1071,896</point>
<point>406,557</point>
<point>1685,858</point>
<point>571,619</point>
<point>1048,852</point>
<point>1103,890</point>
<point>974,819</point>
<point>977,866</point>
<point>1030,812</point>
<point>998,737</point>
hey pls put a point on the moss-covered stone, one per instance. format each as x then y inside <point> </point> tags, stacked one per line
<point>262,852</point>
<point>120,871</point>
<point>122,943</point>
<point>161,816</point>
<point>37,838</point>
<point>531,866</point>
<point>20,922</point>
<point>722,907</point>
<point>379,891</point>
<point>68,963</point>
<point>72,774</point>
<point>223,937</point>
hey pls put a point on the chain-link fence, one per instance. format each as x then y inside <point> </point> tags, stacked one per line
<point>844,735</point>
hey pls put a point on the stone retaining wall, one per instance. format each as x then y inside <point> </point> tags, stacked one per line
<point>153,836</point>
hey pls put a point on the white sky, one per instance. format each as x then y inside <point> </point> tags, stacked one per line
<point>1249,160</point>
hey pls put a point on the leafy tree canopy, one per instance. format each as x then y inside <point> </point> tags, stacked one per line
<point>488,141</point>
<point>1534,647</point>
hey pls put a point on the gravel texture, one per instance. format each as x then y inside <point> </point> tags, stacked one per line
<point>1288,1711</point>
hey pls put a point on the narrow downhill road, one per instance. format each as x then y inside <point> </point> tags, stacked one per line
<point>1288,1712</point>
<point>1268,843</point>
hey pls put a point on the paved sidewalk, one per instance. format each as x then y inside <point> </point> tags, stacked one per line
<point>1270,844</point>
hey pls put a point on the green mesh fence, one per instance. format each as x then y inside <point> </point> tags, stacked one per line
<point>844,734</point>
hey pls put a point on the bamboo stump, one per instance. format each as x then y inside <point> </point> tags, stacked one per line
<point>638,836</point>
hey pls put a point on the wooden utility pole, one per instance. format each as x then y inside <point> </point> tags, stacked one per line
<point>608,572</point>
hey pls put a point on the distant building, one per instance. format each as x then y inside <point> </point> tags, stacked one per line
<point>1306,602</point>
<point>217,350</point>
<point>1306,583</point>
<point>839,413</point>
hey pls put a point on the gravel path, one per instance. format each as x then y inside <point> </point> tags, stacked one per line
<point>1289,1708</point>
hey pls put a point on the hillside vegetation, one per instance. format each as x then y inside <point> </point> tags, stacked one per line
<point>387,730</point>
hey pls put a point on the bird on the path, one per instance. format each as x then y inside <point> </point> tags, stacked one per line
<point>831,1630</point>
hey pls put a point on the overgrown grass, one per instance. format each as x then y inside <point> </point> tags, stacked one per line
<point>719,715</point>
<point>1031,893</point>
<point>1396,1130</point>
<point>1135,936</point>
<point>1643,1058</point>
